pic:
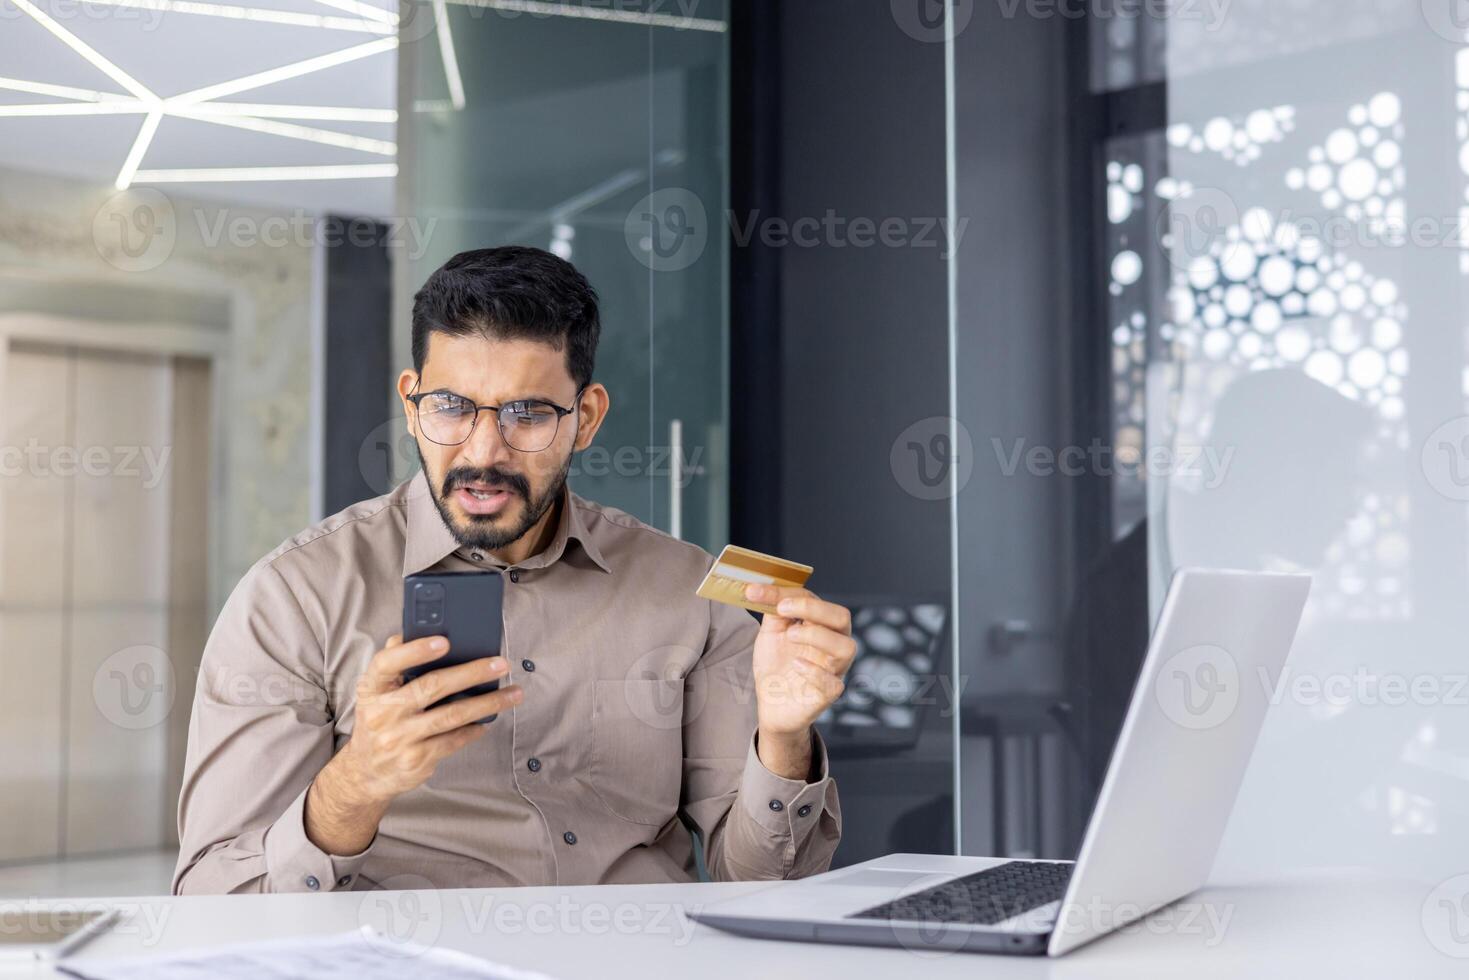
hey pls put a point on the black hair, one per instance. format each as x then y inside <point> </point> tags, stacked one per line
<point>512,292</point>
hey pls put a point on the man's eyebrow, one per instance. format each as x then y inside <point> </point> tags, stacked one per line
<point>538,397</point>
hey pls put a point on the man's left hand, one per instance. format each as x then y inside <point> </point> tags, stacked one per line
<point>801,657</point>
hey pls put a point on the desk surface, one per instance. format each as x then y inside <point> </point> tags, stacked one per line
<point>1329,926</point>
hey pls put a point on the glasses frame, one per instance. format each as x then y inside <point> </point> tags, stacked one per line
<point>561,413</point>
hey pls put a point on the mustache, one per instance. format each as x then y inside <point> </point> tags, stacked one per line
<point>465,475</point>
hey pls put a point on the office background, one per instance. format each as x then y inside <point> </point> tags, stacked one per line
<point>995,313</point>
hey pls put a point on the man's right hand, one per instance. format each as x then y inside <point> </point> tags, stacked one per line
<point>396,743</point>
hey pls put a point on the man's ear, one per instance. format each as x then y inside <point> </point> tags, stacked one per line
<point>407,381</point>
<point>592,410</point>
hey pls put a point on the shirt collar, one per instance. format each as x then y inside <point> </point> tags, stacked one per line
<point>429,540</point>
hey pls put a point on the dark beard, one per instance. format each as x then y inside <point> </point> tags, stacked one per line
<point>482,534</point>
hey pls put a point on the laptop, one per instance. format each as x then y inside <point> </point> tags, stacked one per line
<point>1196,710</point>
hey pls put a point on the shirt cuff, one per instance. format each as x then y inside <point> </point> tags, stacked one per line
<point>790,807</point>
<point>294,864</point>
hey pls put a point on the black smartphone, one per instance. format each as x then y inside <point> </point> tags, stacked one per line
<point>466,607</point>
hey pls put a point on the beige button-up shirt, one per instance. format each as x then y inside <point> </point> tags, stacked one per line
<point>638,720</point>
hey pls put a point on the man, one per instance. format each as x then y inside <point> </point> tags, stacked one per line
<point>629,708</point>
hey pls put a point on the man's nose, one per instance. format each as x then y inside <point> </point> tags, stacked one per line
<point>485,447</point>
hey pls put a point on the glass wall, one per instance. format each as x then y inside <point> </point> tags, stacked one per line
<point>1312,340</point>
<point>600,133</point>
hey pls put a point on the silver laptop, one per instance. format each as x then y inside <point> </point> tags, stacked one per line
<point>1200,699</point>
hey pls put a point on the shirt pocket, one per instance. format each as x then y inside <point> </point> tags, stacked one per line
<point>637,748</point>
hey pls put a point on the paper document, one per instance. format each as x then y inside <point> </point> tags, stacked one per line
<point>360,955</point>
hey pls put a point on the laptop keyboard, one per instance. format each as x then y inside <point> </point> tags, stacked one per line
<point>984,898</point>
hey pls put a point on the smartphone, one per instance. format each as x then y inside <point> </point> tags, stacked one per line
<point>467,608</point>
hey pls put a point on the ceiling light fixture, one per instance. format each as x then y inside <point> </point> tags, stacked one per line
<point>547,9</point>
<point>446,52</point>
<point>258,15</point>
<point>244,174</point>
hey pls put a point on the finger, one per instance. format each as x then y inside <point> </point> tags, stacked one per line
<point>828,684</point>
<point>389,663</point>
<point>813,609</point>
<point>771,594</point>
<point>840,647</point>
<point>445,745</point>
<point>438,684</point>
<point>447,717</point>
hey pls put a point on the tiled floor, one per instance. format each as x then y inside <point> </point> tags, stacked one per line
<point>119,875</point>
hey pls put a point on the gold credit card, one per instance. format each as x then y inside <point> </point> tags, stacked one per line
<point>737,567</point>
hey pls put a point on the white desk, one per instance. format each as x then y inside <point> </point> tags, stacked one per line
<point>1337,927</point>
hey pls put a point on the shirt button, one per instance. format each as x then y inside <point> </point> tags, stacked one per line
<point>533,764</point>
<point>529,666</point>
<point>312,882</point>
<point>515,576</point>
<point>344,881</point>
<point>569,837</point>
<point>777,805</point>
<point>805,810</point>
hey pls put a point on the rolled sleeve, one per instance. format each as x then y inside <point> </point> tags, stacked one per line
<point>756,824</point>
<point>260,731</point>
<point>788,806</point>
<point>294,864</point>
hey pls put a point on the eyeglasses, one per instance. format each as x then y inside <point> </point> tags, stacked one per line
<point>527,426</point>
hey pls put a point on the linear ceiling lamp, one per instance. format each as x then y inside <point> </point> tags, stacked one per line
<point>223,175</point>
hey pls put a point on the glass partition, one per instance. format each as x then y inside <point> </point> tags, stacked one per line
<point>600,133</point>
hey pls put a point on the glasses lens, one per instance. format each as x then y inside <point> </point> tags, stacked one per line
<point>446,419</point>
<point>528,426</point>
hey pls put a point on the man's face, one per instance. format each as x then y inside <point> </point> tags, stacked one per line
<point>488,492</point>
